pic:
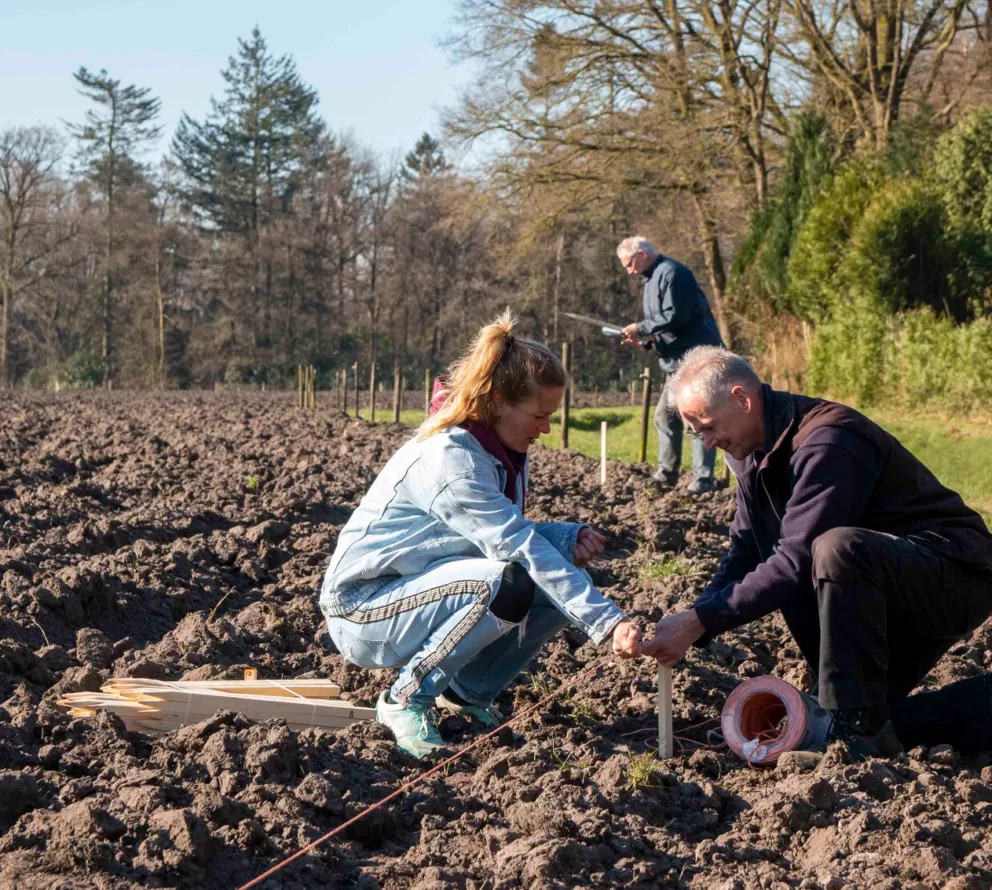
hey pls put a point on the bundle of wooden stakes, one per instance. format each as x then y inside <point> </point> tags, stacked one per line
<point>160,706</point>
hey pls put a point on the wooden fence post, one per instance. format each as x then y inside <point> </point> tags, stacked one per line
<point>565,350</point>
<point>299,386</point>
<point>313,387</point>
<point>372,394</point>
<point>645,411</point>
<point>397,390</point>
<point>602,453</point>
<point>427,391</point>
<point>358,412</point>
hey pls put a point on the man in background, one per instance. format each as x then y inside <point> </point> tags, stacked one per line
<point>676,318</point>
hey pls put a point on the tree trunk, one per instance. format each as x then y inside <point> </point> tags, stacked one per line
<point>559,253</point>
<point>6,294</point>
<point>161,317</point>
<point>108,276</point>
<point>710,244</point>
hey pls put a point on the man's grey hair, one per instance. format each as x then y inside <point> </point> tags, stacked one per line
<point>629,246</point>
<point>711,372</point>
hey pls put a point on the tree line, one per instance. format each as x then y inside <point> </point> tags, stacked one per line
<point>262,239</point>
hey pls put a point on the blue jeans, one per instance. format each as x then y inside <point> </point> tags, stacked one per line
<point>438,629</point>
<point>668,423</point>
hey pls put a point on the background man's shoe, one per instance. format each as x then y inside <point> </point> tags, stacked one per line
<point>415,726</point>
<point>488,716</point>
<point>666,479</point>
<point>701,486</point>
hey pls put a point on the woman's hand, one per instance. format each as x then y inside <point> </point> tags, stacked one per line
<point>588,544</point>
<point>626,640</point>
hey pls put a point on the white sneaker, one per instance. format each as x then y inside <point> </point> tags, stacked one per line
<point>415,726</point>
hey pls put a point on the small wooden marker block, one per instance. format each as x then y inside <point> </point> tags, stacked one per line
<point>251,674</point>
<point>666,742</point>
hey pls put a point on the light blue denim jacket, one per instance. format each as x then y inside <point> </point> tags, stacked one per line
<point>442,497</point>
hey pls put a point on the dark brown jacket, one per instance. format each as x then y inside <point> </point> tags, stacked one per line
<point>826,466</point>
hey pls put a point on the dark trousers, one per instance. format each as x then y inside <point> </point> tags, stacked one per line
<point>886,610</point>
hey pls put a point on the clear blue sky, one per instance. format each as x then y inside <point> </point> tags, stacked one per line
<point>375,63</point>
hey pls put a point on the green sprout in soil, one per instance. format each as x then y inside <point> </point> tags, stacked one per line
<point>671,565</point>
<point>252,484</point>
<point>641,770</point>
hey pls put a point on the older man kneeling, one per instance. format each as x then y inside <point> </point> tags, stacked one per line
<point>877,568</point>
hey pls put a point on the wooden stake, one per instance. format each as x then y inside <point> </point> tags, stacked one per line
<point>397,390</point>
<point>602,453</point>
<point>358,412</point>
<point>565,350</point>
<point>645,411</point>
<point>372,394</point>
<point>299,386</point>
<point>427,391</point>
<point>665,739</point>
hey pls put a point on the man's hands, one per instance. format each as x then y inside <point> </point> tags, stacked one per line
<point>626,640</point>
<point>588,544</point>
<point>673,635</point>
<point>630,335</point>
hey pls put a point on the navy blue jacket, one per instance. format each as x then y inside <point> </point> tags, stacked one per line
<point>825,466</point>
<point>675,312</point>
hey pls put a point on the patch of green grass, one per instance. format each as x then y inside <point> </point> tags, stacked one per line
<point>543,684</point>
<point>582,714</point>
<point>670,565</point>
<point>959,453</point>
<point>641,770</point>
<point>565,761</point>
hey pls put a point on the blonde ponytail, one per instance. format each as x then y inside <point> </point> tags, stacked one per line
<point>497,361</point>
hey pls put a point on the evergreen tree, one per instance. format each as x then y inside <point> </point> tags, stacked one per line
<point>247,159</point>
<point>426,160</point>
<point>114,132</point>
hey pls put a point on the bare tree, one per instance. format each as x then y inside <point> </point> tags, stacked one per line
<point>28,157</point>
<point>865,52</point>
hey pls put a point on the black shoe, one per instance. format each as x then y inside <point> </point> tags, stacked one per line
<point>867,732</point>
<point>666,479</point>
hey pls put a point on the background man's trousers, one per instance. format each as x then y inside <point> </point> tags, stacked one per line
<point>668,423</point>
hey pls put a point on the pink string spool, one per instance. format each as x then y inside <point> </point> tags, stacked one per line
<point>752,720</point>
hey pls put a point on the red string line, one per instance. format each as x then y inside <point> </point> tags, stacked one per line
<point>418,779</point>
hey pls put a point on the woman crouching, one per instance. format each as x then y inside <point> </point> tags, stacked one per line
<point>438,572</point>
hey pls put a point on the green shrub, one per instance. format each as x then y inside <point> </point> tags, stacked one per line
<point>915,360</point>
<point>898,255</point>
<point>962,170</point>
<point>760,268</point>
<point>847,359</point>
<point>822,242</point>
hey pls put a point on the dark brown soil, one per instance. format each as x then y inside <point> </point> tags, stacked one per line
<point>185,537</point>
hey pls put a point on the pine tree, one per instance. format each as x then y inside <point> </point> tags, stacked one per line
<point>427,159</point>
<point>109,140</point>
<point>247,159</point>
